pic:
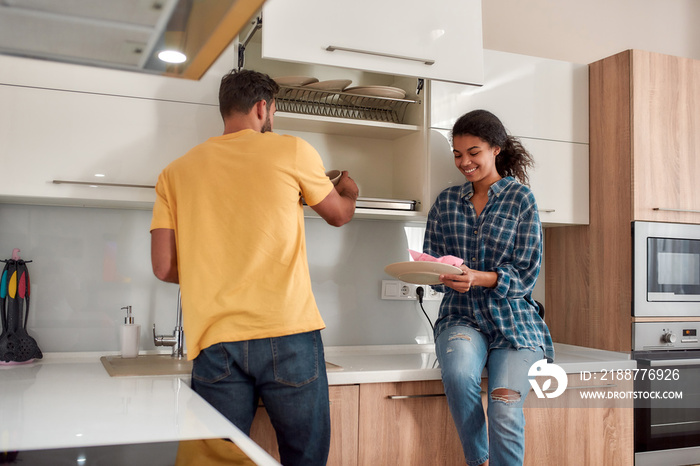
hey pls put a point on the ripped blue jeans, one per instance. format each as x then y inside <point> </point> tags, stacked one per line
<point>463,353</point>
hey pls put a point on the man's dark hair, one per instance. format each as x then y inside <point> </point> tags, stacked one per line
<point>241,90</point>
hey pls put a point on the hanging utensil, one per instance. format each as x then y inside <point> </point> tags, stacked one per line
<point>3,294</point>
<point>28,348</point>
<point>16,345</point>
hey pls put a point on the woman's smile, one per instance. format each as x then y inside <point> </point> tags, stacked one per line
<point>476,159</point>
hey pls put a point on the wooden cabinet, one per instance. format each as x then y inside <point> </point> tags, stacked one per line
<point>573,430</point>
<point>436,40</point>
<point>52,134</point>
<point>407,423</point>
<point>344,402</point>
<point>664,133</point>
<point>645,130</point>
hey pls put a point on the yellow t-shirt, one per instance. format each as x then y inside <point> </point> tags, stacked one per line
<point>234,203</point>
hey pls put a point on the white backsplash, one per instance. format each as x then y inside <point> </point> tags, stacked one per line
<point>88,263</point>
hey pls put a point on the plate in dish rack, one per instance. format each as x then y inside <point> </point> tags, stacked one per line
<point>294,80</point>
<point>421,272</point>
<point>377,91</point>
<point>335,85</point>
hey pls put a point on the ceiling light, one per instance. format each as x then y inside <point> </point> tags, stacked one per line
<point>172,56</point>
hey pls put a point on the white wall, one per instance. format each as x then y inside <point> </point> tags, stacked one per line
<point>583,31</point>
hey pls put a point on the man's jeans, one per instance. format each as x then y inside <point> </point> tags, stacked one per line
<point>289,375</point>
<point>463,353</point>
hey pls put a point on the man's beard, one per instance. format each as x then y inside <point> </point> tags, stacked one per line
<point>267,126</point>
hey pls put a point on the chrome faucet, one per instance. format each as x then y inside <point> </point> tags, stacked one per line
<point>177,338</point>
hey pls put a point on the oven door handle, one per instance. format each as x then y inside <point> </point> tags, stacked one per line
<point>669,362</point>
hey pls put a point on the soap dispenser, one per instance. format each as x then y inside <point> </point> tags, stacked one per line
<point>131,335</point>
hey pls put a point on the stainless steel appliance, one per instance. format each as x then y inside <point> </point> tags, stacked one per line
<point>667,393</point>
<point>666,343</point>
<point>666,269</point>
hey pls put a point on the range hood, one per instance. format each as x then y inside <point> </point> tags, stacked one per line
<point>124,34</point>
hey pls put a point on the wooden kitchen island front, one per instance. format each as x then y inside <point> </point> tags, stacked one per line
<point>388,407</point>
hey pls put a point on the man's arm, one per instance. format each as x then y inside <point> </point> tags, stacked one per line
<point>164,255</point>
<point>338,207</point>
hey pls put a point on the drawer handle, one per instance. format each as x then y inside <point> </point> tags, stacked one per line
<point>427,61</point>
<point>92,183</point>
<point>405,397</point>
<point>663,209</point>
<point>591,387</point>
<point>547,211</point>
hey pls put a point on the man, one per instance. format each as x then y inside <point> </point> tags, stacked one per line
<point>228,226</point>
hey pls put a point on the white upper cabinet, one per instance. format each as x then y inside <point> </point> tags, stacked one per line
<point>104,150</point>
<point>534,97</point>
<point>542,102</point>
<point>559,181</point>
<point>433,40</point>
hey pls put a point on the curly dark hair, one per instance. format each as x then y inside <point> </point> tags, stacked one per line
<point>513,160</point>
<point>242,89</point>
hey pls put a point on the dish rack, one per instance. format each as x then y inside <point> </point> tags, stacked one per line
<point>308,101</point>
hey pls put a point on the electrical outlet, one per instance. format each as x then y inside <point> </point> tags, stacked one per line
<point>431,295</point>
<point>396,289</point>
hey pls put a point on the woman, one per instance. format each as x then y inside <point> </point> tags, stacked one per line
<point>488,317</point>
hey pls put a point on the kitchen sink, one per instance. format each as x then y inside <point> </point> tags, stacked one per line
<point>146,365</point>
<point>157,364</point>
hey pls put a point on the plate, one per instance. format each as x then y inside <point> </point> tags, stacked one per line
<point>377,91</point>
<point>334,85</point>
<point>421,272</point>
<point>294,80</point>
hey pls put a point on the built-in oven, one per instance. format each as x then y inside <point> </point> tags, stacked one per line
<point>666,278</point>
<point>666,393</point>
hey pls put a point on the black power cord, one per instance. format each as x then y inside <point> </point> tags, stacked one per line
<point>419,293</point>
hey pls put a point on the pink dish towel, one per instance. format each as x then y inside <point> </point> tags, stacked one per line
<point>449,260</point>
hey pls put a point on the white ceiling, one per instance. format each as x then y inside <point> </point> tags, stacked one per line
<point>115,33</point>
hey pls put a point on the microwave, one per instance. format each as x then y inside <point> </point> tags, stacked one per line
<point>666,269</point>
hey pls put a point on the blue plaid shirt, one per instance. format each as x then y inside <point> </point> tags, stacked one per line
<point>505,238</point>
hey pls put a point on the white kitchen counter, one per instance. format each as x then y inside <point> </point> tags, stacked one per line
<point>68,399</point>
<point>402,363</point>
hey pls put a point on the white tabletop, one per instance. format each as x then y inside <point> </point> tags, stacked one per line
<point>70,400</point>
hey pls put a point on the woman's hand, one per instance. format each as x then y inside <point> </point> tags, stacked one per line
<point>460,283</point>
<point>468,279</point>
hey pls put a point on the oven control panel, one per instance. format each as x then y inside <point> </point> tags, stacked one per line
<point>665,335</point>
